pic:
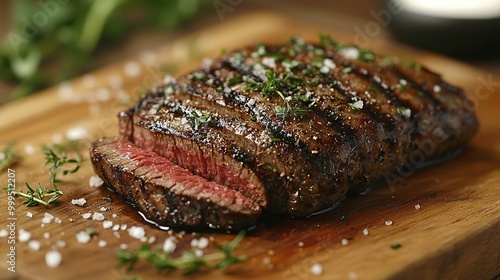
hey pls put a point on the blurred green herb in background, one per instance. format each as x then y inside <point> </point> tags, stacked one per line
<point>64,34</point>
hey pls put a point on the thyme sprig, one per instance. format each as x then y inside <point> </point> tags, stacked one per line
<point>35,197</point>
<point>56,158</point>
<point>8,156</point>
<point>189,261</point>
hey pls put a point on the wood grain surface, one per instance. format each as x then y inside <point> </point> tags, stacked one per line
<point>454,234</point>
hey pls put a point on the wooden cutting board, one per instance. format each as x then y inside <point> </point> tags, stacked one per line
<point>454,234</point>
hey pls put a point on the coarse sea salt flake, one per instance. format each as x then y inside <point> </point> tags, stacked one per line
<point>350,52</point>
<point>344,242</point>
<point>53,258</point>
<point>57,138</point>
<point>4,233</point>
<point>132,68</point>
<point>417,206</point>
<point>107,224</point>
<point>102,243</point>
<point>269,62</point>
<point>65,91</point>
<point>76,133</point>
<point>86,215</point>
<point>203,243</point>
<point>329,63</point>
<point>194,243</point>
<point>97,216</point>
<point>34,245</point>
<point>88,81</point>
<point>169,245</point>
<point>23,235</point>
<point>61,243</point>
<point>29,149</point>
<point>82,237</point>
<point>95,181</point>
<point>79,201</point>
<point>136,232</point>
<point>47,218</point>
<point>365,231</point>
<point>317,269</point>
<point>29,214</point>
<point>388,223</point>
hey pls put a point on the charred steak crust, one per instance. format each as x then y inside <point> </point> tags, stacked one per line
<point>293,126</point>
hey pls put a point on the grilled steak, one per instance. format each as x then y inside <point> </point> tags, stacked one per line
<point>293,126</point>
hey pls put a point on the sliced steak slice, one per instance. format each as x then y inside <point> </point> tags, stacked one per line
<point>166,193</point>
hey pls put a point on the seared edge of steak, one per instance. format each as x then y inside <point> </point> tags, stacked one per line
<point>166,193</point>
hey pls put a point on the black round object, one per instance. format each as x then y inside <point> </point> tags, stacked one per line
<point>459,37</point>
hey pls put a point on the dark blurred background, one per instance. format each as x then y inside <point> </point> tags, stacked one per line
<point>80,36</point>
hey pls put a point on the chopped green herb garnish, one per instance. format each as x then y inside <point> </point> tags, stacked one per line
<point>317,64</point>
<point>347,70</point>
<point>389,61</point>
<point>326,40</point>
<point>356,105</point>
<point>420,93</point>
<point>283,112</point>
<point>8,156</point>
<point>189,261</point>
<point>260,50</point>
<point>198,118</point>
<point>278,55</point>
<point>396,246</point>
<point>319,52</point>
<point>198,75</point>
<point>403,111</point>
<point>303,97</point>
<point>269,166</point>
<point>235,80</point>
<point>169,89</point>
<point>412,64</point>
<point>372,88</point>
<point>289,64</point>
<point>366,55</point>
<point>239,57</point>
<point>298,42</point>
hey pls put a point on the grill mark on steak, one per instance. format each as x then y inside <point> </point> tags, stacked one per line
<point>166,193</point>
